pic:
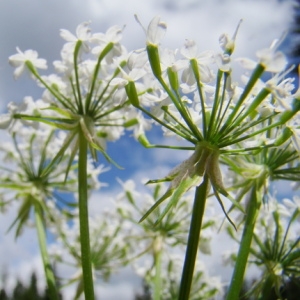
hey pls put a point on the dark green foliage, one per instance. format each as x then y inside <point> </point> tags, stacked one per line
<point>22,292</point>
<point>146,294</point>
<point>294,51</point>
<point>289,291</point>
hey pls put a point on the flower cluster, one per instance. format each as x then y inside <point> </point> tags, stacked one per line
<point>197,100</point>
<point>109,251</point>
<point>28,176</point>
<point>275,247</point>
<point>80,96</point>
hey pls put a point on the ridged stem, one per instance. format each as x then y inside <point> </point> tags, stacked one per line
<point>193,239</point>
<point>87,273</point>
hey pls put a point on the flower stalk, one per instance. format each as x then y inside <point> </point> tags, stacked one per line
<point>245,245</point>
<point>40,227</point>
<point>87,272</point>
<point>157,261</point>
<point>193,239</point>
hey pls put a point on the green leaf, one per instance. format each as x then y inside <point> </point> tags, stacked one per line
<point>22,217</point>
<point>58,157</point>
<point>184,186</point>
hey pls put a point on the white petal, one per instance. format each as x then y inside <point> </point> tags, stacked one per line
<point>83,31</point>
<point>67,35</point>
<point>247,63</point>
<point>277,63</point>
<point>5,121</point>
<point>120,82</point>
<point>18,71</point>
<point>156,31</point>
<point>190,49</point>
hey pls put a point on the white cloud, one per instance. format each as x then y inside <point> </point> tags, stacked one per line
<point>201,20</point>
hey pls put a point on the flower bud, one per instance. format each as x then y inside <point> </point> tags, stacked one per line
<point>132,94</point>
<point>154,60</point>
<point>144,141</point>
<point>284,136</point>
<point>173,79</point>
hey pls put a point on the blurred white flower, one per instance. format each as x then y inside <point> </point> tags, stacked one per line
<point>155,31</point>
<point>83,34</point>
<point>19,61</point>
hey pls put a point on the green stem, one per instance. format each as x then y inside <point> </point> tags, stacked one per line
<point>157,279</point>
<point>84,220</point>
<point>44,253</point>
<point>245,244</point>
<point>193,239</point>
<point>267,289</point>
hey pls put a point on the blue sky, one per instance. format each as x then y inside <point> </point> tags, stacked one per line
<point>35,24</point>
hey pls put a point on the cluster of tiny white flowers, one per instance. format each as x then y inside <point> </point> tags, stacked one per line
<point>85,83</point>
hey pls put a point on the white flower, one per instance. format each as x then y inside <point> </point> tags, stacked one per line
<point>272,60</point>
<point>190,51</point>
<point>155,31</point>
<point>19,61</point>
<point>294,126</point>
<point>83,34</point>
<point>142,124</point>
<point>28,106</point>
<point>132,75</point>
<point>226,43</point>
<point>223,62</point>
<point>292,205</point>
<point>112,35</point>
<point>5,121</point>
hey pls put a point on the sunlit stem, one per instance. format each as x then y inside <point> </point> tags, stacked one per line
<point>84,220</point>
<point>252,107</point>
<point>175,97</point>
<point>193,239</point>
<point>258,71</point>
<point>154,59</point>
<point>237,278</point>
<point>192,140</point>
<point>55,93</point>
<point>76,53</point>
<point>44,253</point>
<point>95,107</point>
<point>181,109</point>
<point>196,72</point>
<point>144,141</point>
<point>104,52</point>
<point>215,104</point>
<point>283,119</point>
<point>179,125</point>
<point>219,111</point>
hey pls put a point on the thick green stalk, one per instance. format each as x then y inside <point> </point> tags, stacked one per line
<point>245,244</point>
<point>44,253</point>
<point>193,239</point>
<point>88,283</point>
